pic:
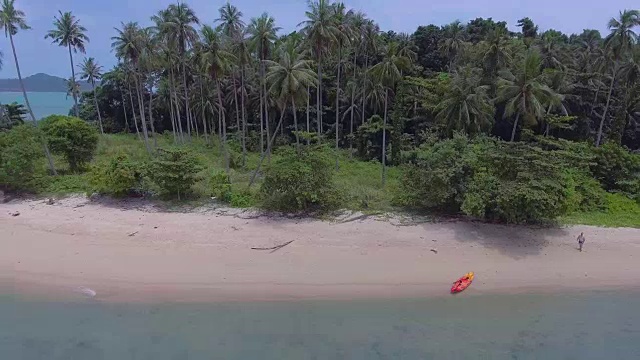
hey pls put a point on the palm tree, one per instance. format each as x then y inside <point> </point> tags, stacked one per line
<point>289,79</point>
<point>619,42</point>
<point>217,62</point>
<point>495,55</point>
<point>321,31</point>
<point>389,72</point>
<point>68,32</point>
<point>12,20</point>
<point>128,45</point>
<point>343,36</point>
<point>262,32</point>
<point>91,71</point>
<point>176,25</point>
<point>453,43</point>
<point>73,88</point>
<point>524,91</point>
<point>466,106</point>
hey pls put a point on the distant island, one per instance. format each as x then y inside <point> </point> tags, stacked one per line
<point>40,83</point>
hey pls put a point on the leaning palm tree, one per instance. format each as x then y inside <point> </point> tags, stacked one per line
<point>524,91</point>
<point>466,106</point>
<point>217,61</point>
<point>12,20</point>
<point>619,43</point>
<point>262,33</point>
<point>389,72</point>
<point>289,78</point>
<point>68,32</point>
<point>321,31</point>
<point>91,71</point>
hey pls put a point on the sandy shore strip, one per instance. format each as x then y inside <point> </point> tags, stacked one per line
<point>126,252</point>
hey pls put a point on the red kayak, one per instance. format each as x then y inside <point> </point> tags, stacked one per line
<point>462,283</point>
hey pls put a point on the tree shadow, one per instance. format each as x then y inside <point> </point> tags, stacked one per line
<point>515,241</point>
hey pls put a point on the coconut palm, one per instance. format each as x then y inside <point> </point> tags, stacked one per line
<point>91,71</point>
<point>466,106</point>
<point>262,33</point>
<point>619,42</point>
<point>389,72</point>
<point>321,31</point>
<point>343,37</point>
<point>495,55</point>
<point>217,62</point>
<point>128,45</point>
<point>289,78</point>
<point>453,43</point>
<point>524,91</point>
<point>68,32</point>
<point>12,20</point>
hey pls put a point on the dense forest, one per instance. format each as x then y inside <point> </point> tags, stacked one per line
<point>473,118</point>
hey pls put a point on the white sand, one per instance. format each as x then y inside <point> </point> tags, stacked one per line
<point>53,250</point>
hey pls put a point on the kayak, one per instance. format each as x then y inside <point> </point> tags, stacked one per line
<point>462,283</point>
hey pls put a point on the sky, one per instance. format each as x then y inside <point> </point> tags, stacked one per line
<point>100,17</point>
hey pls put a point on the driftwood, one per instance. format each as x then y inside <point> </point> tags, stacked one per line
<point>133,233</point>
<point>273,248</point>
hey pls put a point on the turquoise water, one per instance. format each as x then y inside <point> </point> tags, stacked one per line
<point>601,325</point>
<point>43,103</point>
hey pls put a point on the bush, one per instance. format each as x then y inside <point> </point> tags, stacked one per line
<point>20,152</point>
<point>118,175</point>
<point>174,171</point>
<point>300,181</point>
<point>616,168</point>
<point>220,184</point>
<point>71,137</point>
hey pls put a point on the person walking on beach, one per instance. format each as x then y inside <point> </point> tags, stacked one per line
<point>581,241</point>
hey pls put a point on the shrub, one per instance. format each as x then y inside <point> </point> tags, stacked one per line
<point>300,181</point>
<point>174,171</point>
<point>220,184</point>
<point>616,168</point>
<point>118,175</point>
<point>20,152</point>
<point>71,137</point>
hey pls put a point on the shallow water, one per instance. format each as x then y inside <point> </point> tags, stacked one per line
<point>595,325</point>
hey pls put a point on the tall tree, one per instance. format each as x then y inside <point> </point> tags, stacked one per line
<point>343,37</point>
<point>389,72</point>
<point>453,43</point>
<point>321,31</point>
<point>92,72</point>
<point>12,20</point>
<point>69,33</point>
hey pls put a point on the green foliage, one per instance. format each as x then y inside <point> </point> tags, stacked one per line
<point>174,171</point>
<point>66,184</point>
<point>20,152</point>
<point>116,175</point>
<point>72,138</point>
<point>619,212</point>
<point>300,181</point>
<point>221,186</point>
<point>11,115</point>
<point>616,168</point>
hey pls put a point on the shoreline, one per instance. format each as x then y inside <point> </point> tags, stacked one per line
<point>130,252</point>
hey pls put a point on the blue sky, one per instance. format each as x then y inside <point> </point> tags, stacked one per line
<point>100,17</point>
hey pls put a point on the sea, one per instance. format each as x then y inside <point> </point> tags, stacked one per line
<point>580,325</point>
<point>43,103</point>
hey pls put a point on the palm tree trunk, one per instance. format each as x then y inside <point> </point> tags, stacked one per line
<point>143,119</point>
<point>33,117</point>
<point>319,97</point>
<point>173,118</point>
<point>295,123</point>
<point>606,108</point>
<point>257,170</point>
<point>224,129</point>
<point>124,110</point>
<point>204,117</point>
<point>308,124</point>
<point>384,138</point>
<point>338,106</point>
<point>261,111</point>
<point>73,85</point>
<point>244,119</point>
<point>186,98</point>
<point>194,123</point>
<point>174,98</point>
<point>153,129</point>
<point>353,105</point>
<point>95,99</point>
<point>266,114</point>
<point>133,110</point>
<point>515,126</point>
<point>235,100</point>
<point>364,87</point>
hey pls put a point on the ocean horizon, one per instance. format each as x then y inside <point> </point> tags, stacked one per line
<point>42,103</point>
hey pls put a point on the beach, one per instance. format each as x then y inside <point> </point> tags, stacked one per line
<point>135,251</point>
